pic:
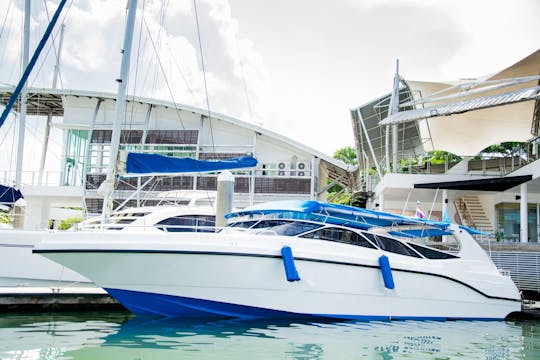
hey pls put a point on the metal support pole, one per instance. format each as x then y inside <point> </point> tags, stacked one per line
<point>381,202</point>
<point>87,156</point>
<point>253,172</point>
<point>393,108</point>
<point>433,203</point>
<point>361,121</point>
<point>224,200</point>
<point>315,178</point>
<point>537,222</point>
<point>406,203</point>
<point>146,124</point>
<point>49,115</point>
<point>523,215</point>
<point>445,216</point>
<point>395,163</point>
<point>387,147</point>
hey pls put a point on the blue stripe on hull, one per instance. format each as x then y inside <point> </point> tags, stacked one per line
<point>143,303</point>
<point>167,305</point>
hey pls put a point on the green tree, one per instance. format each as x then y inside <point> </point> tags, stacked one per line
<point>346,154</point>
<point>69,222</point>
<point>4,218</point>
<point>440,157</point>
<point>509,148</point>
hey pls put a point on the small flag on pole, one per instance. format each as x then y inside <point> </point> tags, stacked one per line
<point>419,212</point>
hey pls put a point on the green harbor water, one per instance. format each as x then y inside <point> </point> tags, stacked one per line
<point>121,335</point>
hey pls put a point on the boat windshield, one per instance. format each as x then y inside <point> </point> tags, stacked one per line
<point>390,245</point>
<point>277,226</point>
<point>188,223</point>
<point>419,242</point>
<point>117,221</point>
<point>339,235</point>
<point>447,243</point>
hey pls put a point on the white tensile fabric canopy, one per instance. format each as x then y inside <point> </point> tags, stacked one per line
<point>467,116</point>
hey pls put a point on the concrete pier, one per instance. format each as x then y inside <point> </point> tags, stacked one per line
<point>55,299</point>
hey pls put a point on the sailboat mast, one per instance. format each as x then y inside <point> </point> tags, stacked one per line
<point>24,95</point>
<point>22,82</point>
<point>120,106</point>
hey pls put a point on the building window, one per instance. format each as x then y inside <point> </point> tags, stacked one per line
<point>77,141</point>
<point>508,222</point>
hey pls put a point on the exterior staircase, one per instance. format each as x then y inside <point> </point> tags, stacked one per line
<point>472,214</point>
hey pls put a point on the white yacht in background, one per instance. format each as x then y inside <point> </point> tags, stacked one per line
<point>20,268</point>
<point>292,259</point>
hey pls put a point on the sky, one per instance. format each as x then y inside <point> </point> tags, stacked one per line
<point>296,67</point>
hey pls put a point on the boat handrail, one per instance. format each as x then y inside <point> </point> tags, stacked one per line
<point>144,227</point>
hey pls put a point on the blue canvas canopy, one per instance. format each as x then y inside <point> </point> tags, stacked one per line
<point>139,163</point>
<point>336,214</point>
<point>8,195</point>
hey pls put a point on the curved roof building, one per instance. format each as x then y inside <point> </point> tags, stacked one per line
<point>286,169</point>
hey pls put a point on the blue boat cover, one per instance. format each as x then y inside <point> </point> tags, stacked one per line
<point>140,163</point>
<point>8,195</point>
<point>336,214</point>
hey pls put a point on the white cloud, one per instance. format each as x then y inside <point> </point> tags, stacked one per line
<point>296,66</point>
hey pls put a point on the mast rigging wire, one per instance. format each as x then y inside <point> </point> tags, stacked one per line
<point>5,19</point>
<point>165,77</point>
<point>204,76</point>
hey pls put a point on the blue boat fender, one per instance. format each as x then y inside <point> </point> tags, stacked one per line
<point>386,272</point>
<point>288,262</point>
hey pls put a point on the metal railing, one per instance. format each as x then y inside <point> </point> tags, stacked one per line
<point>488,166</point>
<point>523,266</point>
<point>464,212</point>
<point>50,178</point>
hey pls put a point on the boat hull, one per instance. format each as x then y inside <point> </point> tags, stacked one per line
<point>230,278</point>
<point>21,268</point>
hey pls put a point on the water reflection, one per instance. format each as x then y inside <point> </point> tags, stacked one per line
<point>47,336</point>
<point>122,336</point>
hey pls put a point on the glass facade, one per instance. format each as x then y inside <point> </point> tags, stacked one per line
<point>508,222</point>
<point>77,141</point>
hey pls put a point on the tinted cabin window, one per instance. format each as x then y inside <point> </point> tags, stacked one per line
<point>293,228</point>
<point>277,226</point>
<point>189,223</point>
<point>339,235</point>
<point>391,245</point>
<point>269,223</point>
<point>432,253</point>
<point>243,224</point>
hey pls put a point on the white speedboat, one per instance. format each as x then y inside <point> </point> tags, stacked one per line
<point>21,268</point>
<point>296,259</point>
